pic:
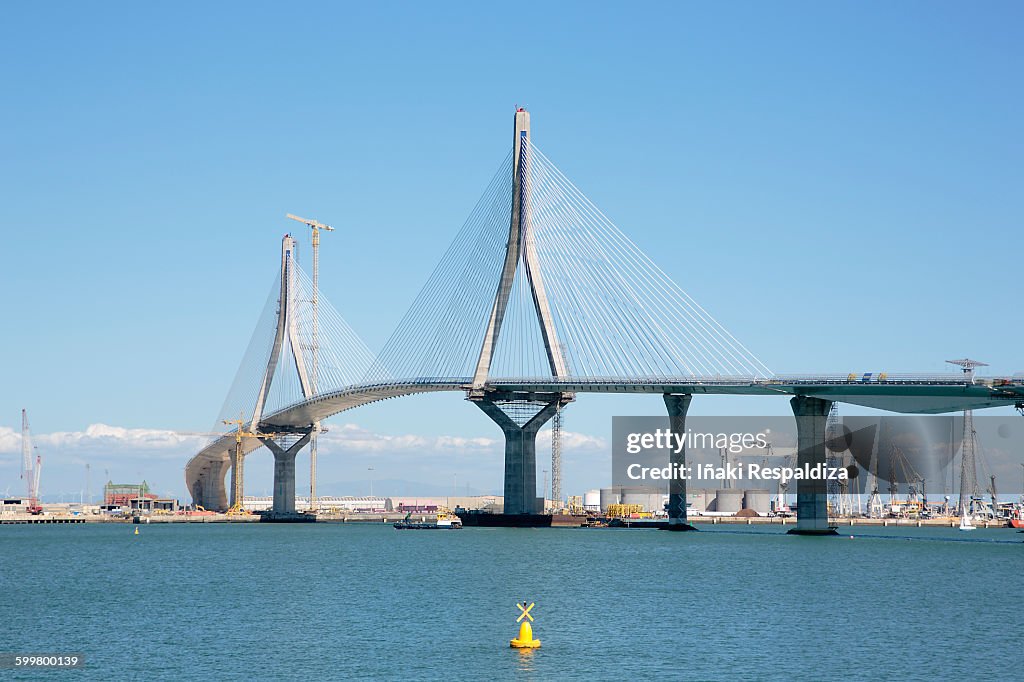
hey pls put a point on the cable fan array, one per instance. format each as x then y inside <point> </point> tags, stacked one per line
<point>343,359</point>
<point>616,314</point>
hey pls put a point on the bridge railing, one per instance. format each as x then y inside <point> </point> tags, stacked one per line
<point>945,378</point>
<point>779,379</point>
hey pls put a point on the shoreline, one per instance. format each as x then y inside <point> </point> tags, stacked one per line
<point>392,517</point>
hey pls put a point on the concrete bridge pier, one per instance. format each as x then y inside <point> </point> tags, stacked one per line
<point>208,491</point>
<point>284,474</point>
<point>520,418</point>
<point>677,405</point>
<point>811,495</point>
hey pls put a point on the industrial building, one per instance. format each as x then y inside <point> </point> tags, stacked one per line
<point>125,494</point>
<point>119,497</point>
<point>710,502</point>
<point>379,504</point>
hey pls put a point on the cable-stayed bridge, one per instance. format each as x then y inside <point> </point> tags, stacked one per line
<point>539,298</point>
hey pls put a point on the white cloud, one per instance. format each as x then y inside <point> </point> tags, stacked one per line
<point>572,441</point>
<point>354,438</point>
<point>344,437</point>
<point>110,442</point>
<point>10,440</point>
<point>159,456</point>
<point>118,436</point>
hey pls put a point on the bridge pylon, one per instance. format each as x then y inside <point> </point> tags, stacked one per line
<point>520,249</point>
<point>208,488</point>
<point>287,329</point>
<point>520,415</point>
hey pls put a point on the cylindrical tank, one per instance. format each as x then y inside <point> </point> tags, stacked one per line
<point>699,501</point>
<point>647,501</point>
<point>610,496</point>
<point>758,499</point>
<point>592,500</point>
<point>729,501</point>
<point>650,499</point>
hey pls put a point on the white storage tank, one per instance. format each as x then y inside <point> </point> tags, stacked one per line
<point>728,501</point>
<point>649,499</point>
<point>758,499</point>
<point>699,501</point>
<point>592,500</point>
<point>610,496</point>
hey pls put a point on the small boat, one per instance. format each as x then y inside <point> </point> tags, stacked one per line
<point>445,521</point>
<point>1016,519</point>
<point>966,522</point>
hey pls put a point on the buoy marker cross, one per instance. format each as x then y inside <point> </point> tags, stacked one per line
<point>525,611</point>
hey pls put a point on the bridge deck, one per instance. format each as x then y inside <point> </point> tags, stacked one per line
<point>912,394</point>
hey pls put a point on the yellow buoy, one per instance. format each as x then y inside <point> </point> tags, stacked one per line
<point>525,639</point>
<point>136,530</point>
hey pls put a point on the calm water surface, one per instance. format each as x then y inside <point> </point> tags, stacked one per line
<point>368,602</point>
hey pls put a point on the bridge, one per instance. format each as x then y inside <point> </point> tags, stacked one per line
<point>540,298</point>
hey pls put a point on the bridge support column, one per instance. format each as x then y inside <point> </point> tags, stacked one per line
<point>677,405</point>
<point>209,491</point>
<point>811,495</point>
<point>520,429</point>
<point>284,474</point>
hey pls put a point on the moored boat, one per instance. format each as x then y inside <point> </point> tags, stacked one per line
<point>445,521</point>
<point>474,517</point>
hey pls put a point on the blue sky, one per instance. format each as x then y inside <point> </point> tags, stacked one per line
<point>839,184</point>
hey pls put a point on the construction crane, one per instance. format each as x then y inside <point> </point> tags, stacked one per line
<point>875,508</point>
<point>968,473</point>
<point>34,507</point>
<point>556,456</point>
<point>237,457</point>
<point>237,463</point>
<point>901,468</point>
<point>30,474</point>
<point>316,226</point>
<point>26,452</point>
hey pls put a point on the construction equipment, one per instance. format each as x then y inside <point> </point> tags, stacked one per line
<point>237,458</point>
<point>901,469</point>
<point>33,506</point>
<point>26,453</point>
<point>316,226</point>
<point>622,511</point>
<point>968,473</point>
<point>237,463</point>
<point>556,456</point>
<point>30,474</point>
<point>875,508</point>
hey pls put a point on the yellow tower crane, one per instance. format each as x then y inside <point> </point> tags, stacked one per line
<point>316,226</point>
<point>237,462</point>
